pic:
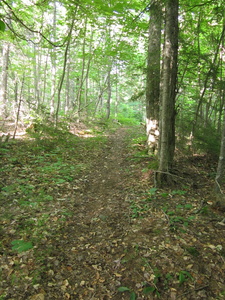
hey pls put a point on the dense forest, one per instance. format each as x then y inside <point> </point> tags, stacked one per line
<point>96,59</point>
<point>103,101</point>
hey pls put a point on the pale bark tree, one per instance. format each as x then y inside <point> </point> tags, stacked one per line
<point>63,71</point>
<point>19,105</point>
<point>81,79</point>
<point>102,87</point>
<point>153,77</point>
<point>109,94</point>
<point>86,63</point>
<point>4,79</point>
<point>53,65</point>
<point>168,94</point>
<point>37,73</point>
<point>68,85</point>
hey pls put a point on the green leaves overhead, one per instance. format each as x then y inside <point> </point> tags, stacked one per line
<point>2,26</point>
<point>111,35</point>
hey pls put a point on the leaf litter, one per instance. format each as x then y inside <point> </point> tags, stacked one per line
<point>83,220</point>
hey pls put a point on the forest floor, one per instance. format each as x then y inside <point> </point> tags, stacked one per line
<point>81,219</point>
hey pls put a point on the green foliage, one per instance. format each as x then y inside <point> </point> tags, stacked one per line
<point>152,191</point>
<point>2,26</point>
<point>178,222</point>
<point>183,276</point>
<point>179,192</point>
<point>138,209</point>
<point>127,121</point>
<point>21,246</point>
<point>123,289</point>
<point>149,289</point>
<point>208,139</point>
<point>204,210</point>
<point>193,251</point>
<point>47,130</point>
<point>178,219</point>
<point>129,113</point>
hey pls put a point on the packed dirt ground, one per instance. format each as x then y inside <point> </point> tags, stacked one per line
<point>81,219</point>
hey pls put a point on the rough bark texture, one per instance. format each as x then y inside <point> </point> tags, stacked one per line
<point>221,163</point>
<point>153,77</point>
<point>168,93</point>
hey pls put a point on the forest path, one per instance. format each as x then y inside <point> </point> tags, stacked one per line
<point>105,189</point>
<point>80,219</point>
<point>101,222</point>
<point>121,236</point>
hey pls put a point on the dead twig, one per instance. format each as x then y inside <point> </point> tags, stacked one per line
<point>194,290</point>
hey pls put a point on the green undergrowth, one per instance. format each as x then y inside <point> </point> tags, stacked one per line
<point>178,217</point>
<point>37,178</point>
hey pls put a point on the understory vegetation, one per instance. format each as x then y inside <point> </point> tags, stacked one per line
<point>112,149</point>
<point>85,203</point>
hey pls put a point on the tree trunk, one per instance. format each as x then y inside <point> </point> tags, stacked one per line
<point>37,74</point>
<point>67,101</point>
<point>53,66</point>
<point>153,77</point>
<point>168,94</point>
<point>4,81</point>
<point>80,89</point>
<point>63,72</point>
<point>207,79</point>
<point>109,92</point>
<point>221,163</point>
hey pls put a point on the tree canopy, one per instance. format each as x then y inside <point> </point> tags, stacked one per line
<point>89,58</point>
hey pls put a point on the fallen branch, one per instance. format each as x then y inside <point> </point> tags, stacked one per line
<point>195,290</point>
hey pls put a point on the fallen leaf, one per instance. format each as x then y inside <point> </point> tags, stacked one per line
<point>37,297</point>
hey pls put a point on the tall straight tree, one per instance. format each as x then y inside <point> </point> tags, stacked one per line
<point>221,163</point>
<point>4,81</point>
<point>168,93</point>
<point>153,76</point>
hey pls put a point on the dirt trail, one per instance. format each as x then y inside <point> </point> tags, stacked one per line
<point>109,228</point>
<point>93,245</point>
<point>105,187</point>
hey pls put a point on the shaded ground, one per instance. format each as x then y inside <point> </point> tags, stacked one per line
<point>93,223</point>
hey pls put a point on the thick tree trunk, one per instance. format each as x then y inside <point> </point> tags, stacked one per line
<point>221,163</point>
<point>168,94</point>
<point>153,77</point>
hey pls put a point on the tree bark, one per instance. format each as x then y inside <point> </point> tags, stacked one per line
<point>168,94</point>
<point>221,163</point>
<point>4,81</point>
<point>63,72</point>
<point>53,65</point>
<point>153,77</point>
<point>109,92</point>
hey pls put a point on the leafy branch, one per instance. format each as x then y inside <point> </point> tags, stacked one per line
<point>29,29</point>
